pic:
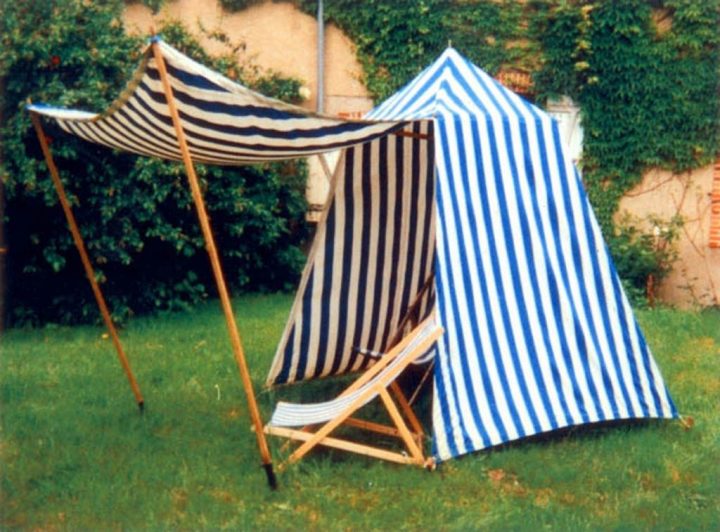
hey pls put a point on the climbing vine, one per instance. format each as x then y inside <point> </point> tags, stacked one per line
<point>646,79</point>
<point>395,40</point>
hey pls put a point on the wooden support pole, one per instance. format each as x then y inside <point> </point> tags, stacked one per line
<point>217,269</point>
<point>89,271</point>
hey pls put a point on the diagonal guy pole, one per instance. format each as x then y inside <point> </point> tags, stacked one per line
<point>80,245</point>
<point>217,270</point>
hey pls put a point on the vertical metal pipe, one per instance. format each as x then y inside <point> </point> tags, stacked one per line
<point>3,245</point>
<point>320,58</point>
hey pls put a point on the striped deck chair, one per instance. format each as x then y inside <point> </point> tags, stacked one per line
<point>373,383</point>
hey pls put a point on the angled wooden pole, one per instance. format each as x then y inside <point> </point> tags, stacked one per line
<point>89,271</point>
<point>217,270</point>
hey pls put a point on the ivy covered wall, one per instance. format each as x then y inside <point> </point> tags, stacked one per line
<point>645,74</point>
<point>646,77</point>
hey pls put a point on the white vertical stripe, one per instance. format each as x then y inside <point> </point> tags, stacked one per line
<point>390,230</point>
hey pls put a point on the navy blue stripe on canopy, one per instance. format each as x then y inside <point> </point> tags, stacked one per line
<point>224,122</point>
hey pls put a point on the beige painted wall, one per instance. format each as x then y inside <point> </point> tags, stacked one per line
<point>695,279</point>
<point>278,37</point>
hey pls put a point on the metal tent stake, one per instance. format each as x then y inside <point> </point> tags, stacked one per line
<point>217,270</point>
<point>89,271</point>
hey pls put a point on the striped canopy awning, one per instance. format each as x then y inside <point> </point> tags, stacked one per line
<point>225,123</point>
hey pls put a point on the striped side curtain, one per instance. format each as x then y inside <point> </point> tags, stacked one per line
<point>371,255</point>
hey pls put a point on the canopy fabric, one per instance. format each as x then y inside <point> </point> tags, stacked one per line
<point>539,334</point>
<point>225,123</point>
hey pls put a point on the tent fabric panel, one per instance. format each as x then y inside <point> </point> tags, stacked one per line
<point>370,257</point>
<point>540,335</point>
<point>424,96</point>
<point>224,122</point>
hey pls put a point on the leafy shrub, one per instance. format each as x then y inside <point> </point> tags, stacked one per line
<point>644,257</point>
<point>136,214</point>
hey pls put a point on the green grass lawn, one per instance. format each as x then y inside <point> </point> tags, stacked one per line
<point>76,454</point>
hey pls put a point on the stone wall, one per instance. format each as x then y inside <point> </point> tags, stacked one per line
<point>277,36</point>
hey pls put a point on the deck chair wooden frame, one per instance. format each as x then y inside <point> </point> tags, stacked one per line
<point>372,384</point>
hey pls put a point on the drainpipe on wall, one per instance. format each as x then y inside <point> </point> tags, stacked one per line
<point>320,58</point>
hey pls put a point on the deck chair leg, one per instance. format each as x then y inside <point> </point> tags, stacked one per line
<point>407,409</point>
<point>322,432</point>
<point>412,446</point>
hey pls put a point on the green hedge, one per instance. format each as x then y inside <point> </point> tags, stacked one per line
<point>135,213</point>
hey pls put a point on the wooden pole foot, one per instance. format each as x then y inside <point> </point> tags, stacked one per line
<point>141,407</point>
<point>272,480</point>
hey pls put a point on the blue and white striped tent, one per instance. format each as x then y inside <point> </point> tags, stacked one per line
<point>479,192</point>
<point>454,182</point>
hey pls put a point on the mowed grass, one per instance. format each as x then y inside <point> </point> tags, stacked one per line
<point>76,454</point>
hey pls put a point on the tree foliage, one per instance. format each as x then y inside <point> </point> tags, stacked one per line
<point>135,213</point>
